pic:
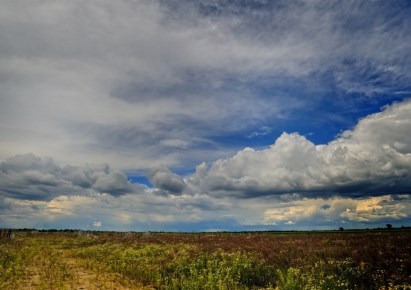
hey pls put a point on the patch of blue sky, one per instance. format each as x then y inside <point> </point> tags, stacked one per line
<point>322,124</point>
<point>140,180</point>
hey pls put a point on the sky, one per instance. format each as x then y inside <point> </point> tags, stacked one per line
<point>209,115</point>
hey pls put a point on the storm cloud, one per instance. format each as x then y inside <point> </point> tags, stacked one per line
<point>36,178</point>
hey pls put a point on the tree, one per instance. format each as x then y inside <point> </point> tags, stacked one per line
<point>389,226</point>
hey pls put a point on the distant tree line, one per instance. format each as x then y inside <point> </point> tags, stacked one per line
<point>8,232</point>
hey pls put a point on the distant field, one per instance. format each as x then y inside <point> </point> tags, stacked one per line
<point>317,260</point>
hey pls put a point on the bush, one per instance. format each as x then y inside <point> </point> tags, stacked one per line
<point>219,270</point>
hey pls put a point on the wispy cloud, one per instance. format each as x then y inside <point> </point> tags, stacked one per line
<point>262,131</point>
<point>107,82</point>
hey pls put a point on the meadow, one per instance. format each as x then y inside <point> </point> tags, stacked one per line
<point>281,260</point>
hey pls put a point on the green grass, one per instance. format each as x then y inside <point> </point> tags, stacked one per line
<point>160,261</point>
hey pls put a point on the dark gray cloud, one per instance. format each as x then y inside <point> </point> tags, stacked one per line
<point>114,183</point>
<point>164,179</point>
<point>35,178</point>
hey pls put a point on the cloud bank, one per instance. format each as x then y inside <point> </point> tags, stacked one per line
<point>372,158</point>
<point>362,178</point>
<point>367,210</point>
<point>34,178</point>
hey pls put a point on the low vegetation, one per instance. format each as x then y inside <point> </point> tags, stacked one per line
<point>339,260</point>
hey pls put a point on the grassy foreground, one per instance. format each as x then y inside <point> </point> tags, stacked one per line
<point>362,260</point>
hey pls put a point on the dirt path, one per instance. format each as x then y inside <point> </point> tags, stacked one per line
<point>70,273</point>
<point>97,278</point>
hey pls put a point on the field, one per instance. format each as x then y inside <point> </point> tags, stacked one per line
<point>314,260</point>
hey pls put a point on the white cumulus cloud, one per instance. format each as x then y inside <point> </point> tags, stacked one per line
<point>372,158</point>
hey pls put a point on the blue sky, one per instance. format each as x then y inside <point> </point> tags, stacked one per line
<point>205,115</point>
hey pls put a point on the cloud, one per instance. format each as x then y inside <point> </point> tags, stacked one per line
<point>128,81</point>
<point>144,84</point>
<point>340,210</point>
<point>143,212</point>
<point>264,130</point>
<point>91,197</point>
<point>166,180</point>
<point>97,224</point>
<point>377,208</point>
<point>35,178</point>
<point>114,183</point>
<point>372,158</point>
<point>150,211</point>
